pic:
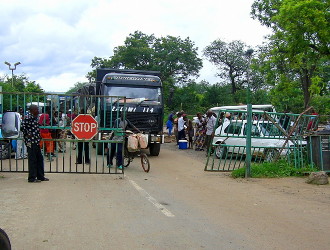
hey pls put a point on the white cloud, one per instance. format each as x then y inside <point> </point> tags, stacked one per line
<point>56,40</point>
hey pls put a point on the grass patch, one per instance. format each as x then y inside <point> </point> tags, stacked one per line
<point>272,170</point>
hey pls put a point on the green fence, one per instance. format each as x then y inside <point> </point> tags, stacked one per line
<point>60,148</point>
<point>273,136</point>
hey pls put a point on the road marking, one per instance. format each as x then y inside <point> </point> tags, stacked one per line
<point>159,206</point>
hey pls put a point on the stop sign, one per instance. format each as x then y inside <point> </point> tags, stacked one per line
<point>84,127</point>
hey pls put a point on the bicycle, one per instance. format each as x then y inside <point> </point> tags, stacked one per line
<point>129,156</point>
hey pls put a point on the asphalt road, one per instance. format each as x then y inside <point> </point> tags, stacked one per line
<point>175,206</point>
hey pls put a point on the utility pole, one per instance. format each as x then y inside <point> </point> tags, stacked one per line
<point>12,71</point>
<point>248,158</point>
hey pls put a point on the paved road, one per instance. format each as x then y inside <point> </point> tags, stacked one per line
<point>175,206</point>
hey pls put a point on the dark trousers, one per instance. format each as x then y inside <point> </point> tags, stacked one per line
<point>208,141</point>
<point>36,163</point>
<point>83,146</point>
<point>119,155</point>
<point>181,135</point>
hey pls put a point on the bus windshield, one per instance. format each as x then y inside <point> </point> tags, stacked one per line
<point>135,94</point>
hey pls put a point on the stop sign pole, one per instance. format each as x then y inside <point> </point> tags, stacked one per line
<point>84,127</point>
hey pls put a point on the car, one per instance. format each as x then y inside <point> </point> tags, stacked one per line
<point>6,145</point>
<point>266,138</point>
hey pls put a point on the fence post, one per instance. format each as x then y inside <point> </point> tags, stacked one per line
<point>248,141</point>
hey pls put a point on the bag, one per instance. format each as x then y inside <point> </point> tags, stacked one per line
<point>132,143</point>
<point>143,140</point>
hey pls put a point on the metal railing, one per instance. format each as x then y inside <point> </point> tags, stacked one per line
<point>274,136</point>
<point>60,150</point>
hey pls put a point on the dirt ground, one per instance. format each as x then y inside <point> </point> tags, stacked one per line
<point>210,210</point>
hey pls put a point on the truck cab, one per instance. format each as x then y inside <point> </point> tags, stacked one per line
<point>143,103</point>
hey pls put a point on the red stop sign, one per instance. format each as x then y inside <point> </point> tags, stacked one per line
<point>84,127</point>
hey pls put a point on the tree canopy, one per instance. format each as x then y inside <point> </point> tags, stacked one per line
<point>299,48</point>
<point>20,83</point>
<point>230,60</point>
<point>176,58</point>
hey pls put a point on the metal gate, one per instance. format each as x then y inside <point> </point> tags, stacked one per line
<point>274,136</point>
<point>61,150</point>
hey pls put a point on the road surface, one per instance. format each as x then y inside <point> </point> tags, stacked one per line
<point>175,206</point>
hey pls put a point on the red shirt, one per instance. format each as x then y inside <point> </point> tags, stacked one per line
<point>44,121</point>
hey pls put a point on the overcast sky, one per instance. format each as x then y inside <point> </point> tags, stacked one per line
<point>55,40</point>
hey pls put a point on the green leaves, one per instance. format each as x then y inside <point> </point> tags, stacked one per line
<point>174,57</point>
<point>277,169</point>
<point>299,45</point>
<point>230,60</point>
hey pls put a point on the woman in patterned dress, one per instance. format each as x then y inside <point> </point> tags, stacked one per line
<point>200,133</point>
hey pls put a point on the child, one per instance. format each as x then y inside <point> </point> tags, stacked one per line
<point>190,132</point>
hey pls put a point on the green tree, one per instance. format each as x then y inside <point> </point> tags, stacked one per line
<point>177,59</point>
<point>33,87</point>
<point>20,84</point>
<point>230,60</point>
<point>75,88</point>
<point>189,97</point>
<point>300,44</point>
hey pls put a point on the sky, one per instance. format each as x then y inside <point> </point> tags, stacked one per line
<point>55,40</point>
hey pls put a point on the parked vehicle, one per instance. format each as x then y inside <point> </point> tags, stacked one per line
<point>6,147</point>
<point>230,137</point>
<point>263,107</point>
<point>144,102</point>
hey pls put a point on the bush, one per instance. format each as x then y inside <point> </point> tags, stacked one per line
<point>272,170</point>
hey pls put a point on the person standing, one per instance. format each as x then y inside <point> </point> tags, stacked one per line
<point>83,147</point>
<point>117,148</point>
<point>181,128</point>
<point>190,132</point>
<point>44,120</point>
<point>200,133</point>
<point>169,123</point>
<point>31,135</point>
<point>62,134</point>
<point>178,115</point>
<point>21,151</point>
<point>210,123</point>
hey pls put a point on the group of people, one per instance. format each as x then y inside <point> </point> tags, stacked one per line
<point>53,119</point>
<point>200,132</point>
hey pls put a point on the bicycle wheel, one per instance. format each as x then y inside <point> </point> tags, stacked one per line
<point>127,161</point>
<point>127,158</point>
<point>145,162</point>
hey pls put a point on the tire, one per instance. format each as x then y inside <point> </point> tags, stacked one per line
<point>154,149</point>
<point>220,151</point>
<point>270,155</point>
<point>4,150</point>
<point>145,162</point>
<point>126,160</point>
<point>4,240</point>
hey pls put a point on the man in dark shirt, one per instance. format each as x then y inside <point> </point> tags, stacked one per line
<point>119,136</point>
<point>31,135</point>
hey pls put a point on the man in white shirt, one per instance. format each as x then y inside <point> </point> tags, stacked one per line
<point>181,128</point>
<point>210,123</point>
